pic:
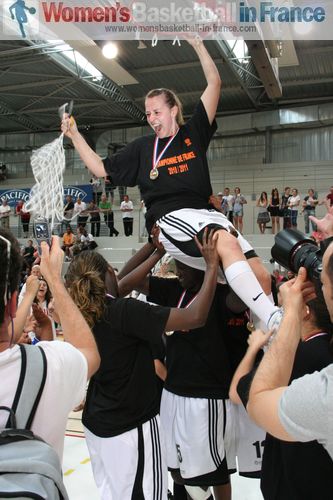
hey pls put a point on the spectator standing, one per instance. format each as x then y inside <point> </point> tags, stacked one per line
<point>95,218</point>
<point>285,212</point>
<point>143,211</point>
<point>68,213</point>
<point>105,206</point>
<point>238,201</point>
<point>5,212</point>
<point>80,209</point>
<point>24,217</point>
<point>274,210</point>
<point>97,188</point>
<point>229,199</point>
<point>223,204</point>
<point>263,215</point>
<point>126,208</point>
<point>309,208</point>
<point>293,204</point>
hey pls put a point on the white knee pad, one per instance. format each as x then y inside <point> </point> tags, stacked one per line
<point>197,493</point>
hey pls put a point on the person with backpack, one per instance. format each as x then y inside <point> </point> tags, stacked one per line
<point>68,364</point>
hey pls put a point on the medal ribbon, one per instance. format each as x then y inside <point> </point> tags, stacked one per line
<point>156,160</point>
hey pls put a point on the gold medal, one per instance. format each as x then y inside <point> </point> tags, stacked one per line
<point>153,174</point>
<point>250,326</point>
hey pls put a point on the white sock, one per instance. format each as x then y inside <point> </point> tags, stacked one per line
<point>197,493</point>
<point>244,283</point>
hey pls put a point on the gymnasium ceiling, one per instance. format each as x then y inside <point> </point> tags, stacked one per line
<point>36,78</point>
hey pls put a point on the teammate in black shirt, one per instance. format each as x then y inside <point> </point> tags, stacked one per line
<point>121,412</point>
<point>172,173</point>
<point>197,418</point>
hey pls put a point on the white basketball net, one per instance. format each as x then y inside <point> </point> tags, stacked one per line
<point>47,195</point>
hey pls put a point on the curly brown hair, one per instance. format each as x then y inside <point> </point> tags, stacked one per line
<point>85,280</point>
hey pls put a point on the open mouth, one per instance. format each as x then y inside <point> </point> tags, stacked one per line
<point>157,128</point>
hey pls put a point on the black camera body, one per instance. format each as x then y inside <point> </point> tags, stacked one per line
<point>293,250</point>
<point>42,232</point>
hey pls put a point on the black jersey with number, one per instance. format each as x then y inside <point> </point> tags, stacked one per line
<point>197,361</point>
<point>123,392</point>
<point>297,471</point>
<point>183,180</point>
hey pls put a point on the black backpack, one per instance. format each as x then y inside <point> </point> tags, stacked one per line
<point>29,467</point>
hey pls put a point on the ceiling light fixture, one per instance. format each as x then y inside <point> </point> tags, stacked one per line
<point>110,50</point>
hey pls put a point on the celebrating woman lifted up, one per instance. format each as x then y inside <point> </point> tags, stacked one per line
<point>171,169</point>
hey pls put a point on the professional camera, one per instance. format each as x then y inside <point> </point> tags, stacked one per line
<point>293,250</point>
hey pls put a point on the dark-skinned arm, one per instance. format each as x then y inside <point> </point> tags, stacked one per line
<point>196,314</point>
<point>137,259</point>
<point>138,278</point>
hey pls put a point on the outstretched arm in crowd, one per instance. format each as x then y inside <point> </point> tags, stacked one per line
<point>256,341</point>
<point>274,371</point>
<point>23,310</point>
<point>75,328</point>
<point>134,274</point>
<point>324,225</point>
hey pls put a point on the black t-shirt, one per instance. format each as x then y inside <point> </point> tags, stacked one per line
<point>197,361</point>
<point>29,252</point>
<point>183,180</point>
<point>68,206</point>
<point>298,471</point>
<point>310,207</point>
<point>123,393</point>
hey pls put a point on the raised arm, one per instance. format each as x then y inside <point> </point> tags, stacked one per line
<point>75,328</point>
<point>135,271</point>
<point>196,314</point>
<point>256,341</point>
<point>273,374</point>
<point>211,94</point>
<point>91,159</point>
<point>23,310</point>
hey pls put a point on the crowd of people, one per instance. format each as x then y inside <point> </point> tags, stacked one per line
<point>273,207</point>
<point>167,374</point>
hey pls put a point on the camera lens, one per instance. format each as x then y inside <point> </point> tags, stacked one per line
<point>293,250</point>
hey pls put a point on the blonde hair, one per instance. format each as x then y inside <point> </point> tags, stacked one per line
<point>86,284</point>
<point>171,99</point>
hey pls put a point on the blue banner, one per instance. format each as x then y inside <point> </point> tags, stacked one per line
<point>14,195</point>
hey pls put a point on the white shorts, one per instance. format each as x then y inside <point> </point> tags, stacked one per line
<point>178,229</point>
<point>130,466</point>
<point>250,447</point>
<point>199,433</point>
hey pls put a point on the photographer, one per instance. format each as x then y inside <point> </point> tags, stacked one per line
<point>302,411</point>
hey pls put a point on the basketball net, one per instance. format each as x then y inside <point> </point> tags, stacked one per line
<point>47,195</point>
